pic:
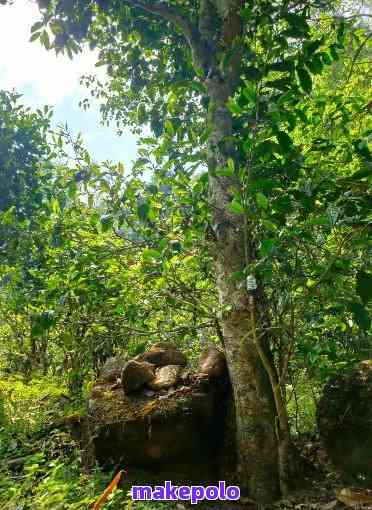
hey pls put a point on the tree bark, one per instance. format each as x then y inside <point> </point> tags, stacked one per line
<point>256,435</point>
<point>219,28</point>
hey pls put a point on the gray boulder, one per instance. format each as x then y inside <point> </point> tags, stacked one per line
<point>162,354</point>
<point>136,374</point>
<point>212,363</point>
<point>111,370</point>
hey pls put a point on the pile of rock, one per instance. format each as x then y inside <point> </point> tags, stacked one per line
<point>160,368</point>
<point>163,367</point>
<point>153,413</point>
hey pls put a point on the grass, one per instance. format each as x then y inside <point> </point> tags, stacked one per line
<point>40,467</point>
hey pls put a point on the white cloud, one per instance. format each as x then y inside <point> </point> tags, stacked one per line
<point>28,66</point>
<point>42,78</point>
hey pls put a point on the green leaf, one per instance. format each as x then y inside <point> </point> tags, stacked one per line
<point>152,188</point>
<point>334,52</point>
<point>42,322</point>
<point>262,200</point>
<point>286,97</point>
<point>269,225</point>
<point>266,148</point>
<point>55,27</point>
<point>319,220</point>
<point>246,13</point>
<point>247,145</point>
<point>341,33</point>
<point>44,39</point>
<point>298,27</point>
<point>37,330</point>
<point>150,254</point>
<point>224,172</point>
<point>54,204</point>
<point>250,92</point>
<point>326,59</point>
<point>304,79</point>
<point>361,315</point>
<point>282,65</point>
<point>36,26</point>
<point>283,84</point>
<point>72,189</point>
<point>35,36</point>
<point>94,219</point>
<point>237,275</point>
<point>356,176</point>
<point>253,73</point>
<point>362,149</point>
<point>310,47</point>
<point>266,246</point>
<point>310,283</point>
<point>236,207</point>
<point>106,222</point>
<point>231,164</point>
<point>119,309</point>
<point>315,64</point>
<point>285,141</point>
<point>228,171</point>
<point>169,128</point>
<point>152,214</point>
<point>104,185</point>
<point>204,178</point>
<point>364,286</point>
<point>234,107</point>
<point>143,211</point>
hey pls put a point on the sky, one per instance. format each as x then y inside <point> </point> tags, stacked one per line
<point>42,78</point>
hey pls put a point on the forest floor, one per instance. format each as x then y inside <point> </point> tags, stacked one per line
<point>41,466</point>
<point>319,487</point>
<point>326,491</point>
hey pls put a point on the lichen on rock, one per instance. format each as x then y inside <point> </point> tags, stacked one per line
<point>166,377</point>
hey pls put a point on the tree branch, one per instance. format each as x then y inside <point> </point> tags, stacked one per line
<point>168,13</point>
<point>357,53</point>
<point>189,30</point>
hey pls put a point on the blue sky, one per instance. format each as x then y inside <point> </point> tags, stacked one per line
<point>44,78</point>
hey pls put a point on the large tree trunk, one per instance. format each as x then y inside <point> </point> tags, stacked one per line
<point>218,34</point>
<point>242,313</point>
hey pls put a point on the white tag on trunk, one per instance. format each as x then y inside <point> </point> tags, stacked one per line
<point>251,282</point>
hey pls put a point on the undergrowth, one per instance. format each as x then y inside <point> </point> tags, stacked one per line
<point>40,463</point>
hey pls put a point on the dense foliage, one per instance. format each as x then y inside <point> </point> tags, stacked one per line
<point>97,258</point>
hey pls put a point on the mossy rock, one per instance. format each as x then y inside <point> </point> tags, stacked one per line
<point>112,368</point>
<point>180,432</point>
<point>344,417</point>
